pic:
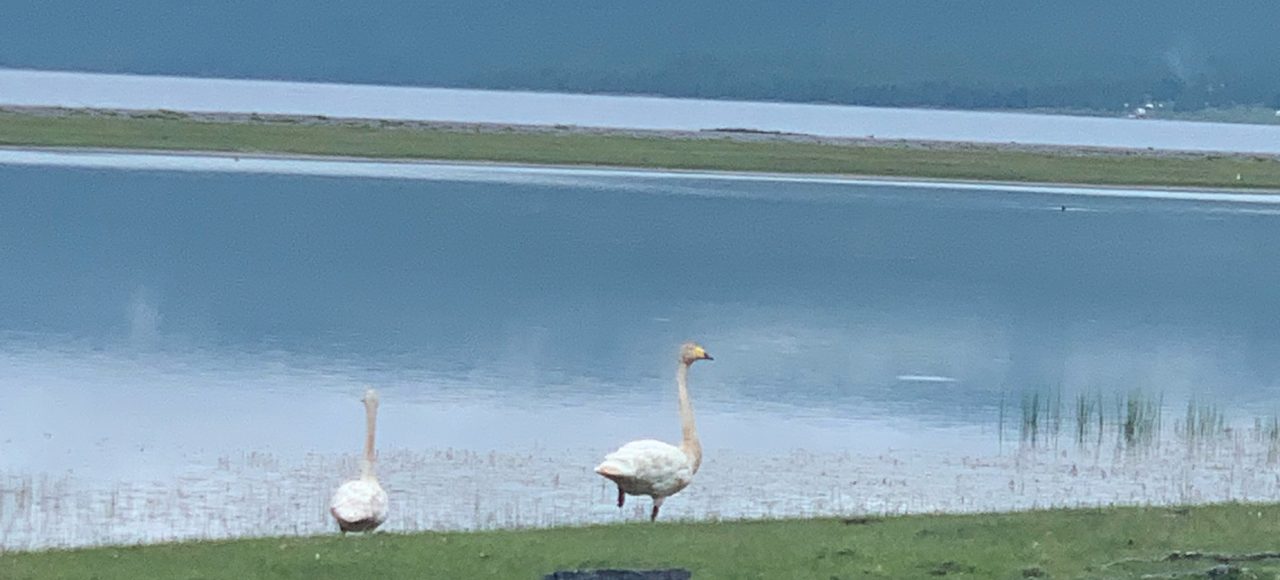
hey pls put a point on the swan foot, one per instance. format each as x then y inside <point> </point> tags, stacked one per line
<point>622,497</point>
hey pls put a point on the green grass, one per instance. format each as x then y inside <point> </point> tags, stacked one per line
<point>1089,543</point>
<point>174,131</point>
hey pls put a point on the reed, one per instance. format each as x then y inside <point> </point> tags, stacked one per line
<point>1141,420</point>
<point>1135,424</point>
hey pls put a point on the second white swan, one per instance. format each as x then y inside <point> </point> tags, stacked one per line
<point>360,505</point>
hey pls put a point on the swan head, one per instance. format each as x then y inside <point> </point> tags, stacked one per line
<point>370,398</point>
<point>692,351</point>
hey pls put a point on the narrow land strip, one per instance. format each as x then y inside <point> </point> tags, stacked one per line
<point>711,150</point>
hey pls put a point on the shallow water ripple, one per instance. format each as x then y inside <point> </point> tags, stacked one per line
<point>259,494</point>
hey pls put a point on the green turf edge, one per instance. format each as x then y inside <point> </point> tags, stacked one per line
<point>1077,543</point>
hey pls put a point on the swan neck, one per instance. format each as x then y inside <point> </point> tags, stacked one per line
<point>690,444</point>
<point>371,423</point>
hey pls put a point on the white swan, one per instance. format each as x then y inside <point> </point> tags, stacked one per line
<point>657,469</point>
<point>360,505</point>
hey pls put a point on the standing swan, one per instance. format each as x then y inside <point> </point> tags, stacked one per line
<point>360,505</point>
<point>654,468</point>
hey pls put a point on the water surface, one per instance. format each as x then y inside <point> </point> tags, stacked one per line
<point>171,342</point>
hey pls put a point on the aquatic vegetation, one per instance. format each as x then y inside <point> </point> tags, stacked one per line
<point>1032,416</point>
<point>455,489</point>
<point>1140,420</point>
<point>1135,424</point>
<point>1204,425</point>
<point>1089,419</point>
<point>1265,432</point>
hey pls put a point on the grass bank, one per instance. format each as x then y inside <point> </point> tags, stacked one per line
<point>165,130</point>
<point>1087,543</point>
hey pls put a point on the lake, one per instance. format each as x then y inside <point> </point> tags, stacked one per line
<point>176,346</point>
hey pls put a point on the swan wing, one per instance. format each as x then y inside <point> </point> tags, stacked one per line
<point>648,467</point>
<point>359,504</point>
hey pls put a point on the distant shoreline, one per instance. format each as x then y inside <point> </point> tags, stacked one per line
<point>218,96</point>
<point>729,150</point>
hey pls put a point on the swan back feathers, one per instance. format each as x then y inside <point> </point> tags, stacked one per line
<point>648,467</point>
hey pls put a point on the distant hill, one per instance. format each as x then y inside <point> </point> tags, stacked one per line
<point>943,53</point>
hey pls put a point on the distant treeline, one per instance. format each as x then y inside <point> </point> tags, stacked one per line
<point>1003,54</point>
<point>1179,95</point>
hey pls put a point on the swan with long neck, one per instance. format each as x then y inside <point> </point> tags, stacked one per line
<point>653,468</point>
<point>360,505</point>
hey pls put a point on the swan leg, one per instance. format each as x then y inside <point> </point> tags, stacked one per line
<point>657,503</point>
<point>622,497</point>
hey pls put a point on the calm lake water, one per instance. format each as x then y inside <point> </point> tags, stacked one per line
<point>173,344</point>
<point>72,89</point>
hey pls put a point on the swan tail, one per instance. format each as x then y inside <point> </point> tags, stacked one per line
<point>611,470</point>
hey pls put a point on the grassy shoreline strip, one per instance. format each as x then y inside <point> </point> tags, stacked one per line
<point>163,130</point>
<point>1091,543</point>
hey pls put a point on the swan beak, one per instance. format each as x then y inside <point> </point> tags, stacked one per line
<point>707,356</point>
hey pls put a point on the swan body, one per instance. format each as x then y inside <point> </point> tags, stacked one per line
<point>648,467</point>
<point>653,468</point>
<point>360,505</point>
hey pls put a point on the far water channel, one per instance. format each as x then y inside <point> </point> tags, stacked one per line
<point>175,347</point>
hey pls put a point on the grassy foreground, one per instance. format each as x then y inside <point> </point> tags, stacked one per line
<point>176,131</point>
<point>1092,543</point>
